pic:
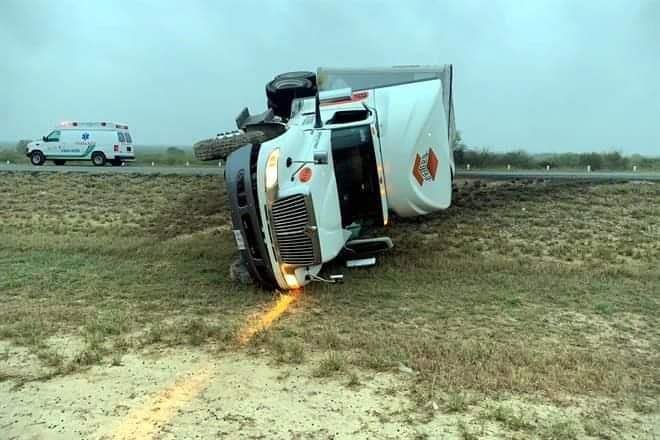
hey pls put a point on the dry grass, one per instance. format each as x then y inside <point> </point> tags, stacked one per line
<point>549,293</point>
<point>80,257</point>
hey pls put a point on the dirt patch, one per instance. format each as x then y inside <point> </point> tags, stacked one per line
<point>17,362</point>
<point>196,394</point>
<point>186,394</point>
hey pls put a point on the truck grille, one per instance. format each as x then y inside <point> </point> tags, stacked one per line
<point>291,218</point>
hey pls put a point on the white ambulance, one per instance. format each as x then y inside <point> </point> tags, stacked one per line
<point>100,142</point>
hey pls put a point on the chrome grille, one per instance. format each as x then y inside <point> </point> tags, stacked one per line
<point>291,218</point>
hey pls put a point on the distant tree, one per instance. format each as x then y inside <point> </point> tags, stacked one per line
<point>567,160</point>
<point>459,148</point>
<point>615,161</point>
<point>21,145</point>
<point>595,160</point>
<point>517,159</point>
<point>175,151</point>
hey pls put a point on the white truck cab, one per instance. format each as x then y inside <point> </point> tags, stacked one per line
<point>367,142</point>
<point>100,142</point>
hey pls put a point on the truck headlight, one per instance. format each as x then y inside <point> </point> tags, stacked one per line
<point>290,277</point>
<point>271,168</point>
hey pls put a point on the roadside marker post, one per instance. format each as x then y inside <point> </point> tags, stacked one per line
<point>187,163</point>
<point>467,166</point>
<point>508,167</point>
<point>588,168</point>
<point>153,164</point>
<point>634,168</point>
<point>547,167</point>
<point>219,164</point>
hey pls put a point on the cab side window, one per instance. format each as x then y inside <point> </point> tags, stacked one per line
<point>54,136</point>
<point>128,138</point>
<point>120,136</point>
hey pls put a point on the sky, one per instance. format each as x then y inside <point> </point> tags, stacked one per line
<point>540,75</point>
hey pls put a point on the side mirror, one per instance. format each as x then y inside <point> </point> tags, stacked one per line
<point>321,157</point>
<point>43,138</point>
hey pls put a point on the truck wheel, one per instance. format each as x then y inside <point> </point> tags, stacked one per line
<point>59,162</point>
<point>239,273</point>
<point>310,76</point>
<point>37,158</point>
<point>282,91</point>
<point>222,146</point>
<point>98,159</point>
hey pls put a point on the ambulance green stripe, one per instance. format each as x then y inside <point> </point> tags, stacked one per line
<point>85,153</point>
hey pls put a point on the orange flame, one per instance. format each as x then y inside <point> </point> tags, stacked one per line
<point>266,319</point>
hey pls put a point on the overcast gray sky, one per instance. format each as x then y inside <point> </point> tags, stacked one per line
<point>545,76</point>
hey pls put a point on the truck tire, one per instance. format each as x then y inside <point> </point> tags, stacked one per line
<point>239,273</point>
<point>98,159</point>
<point>282,91</point>
<point>222,146</point>
<point>37,158</point>
<point>311,76</point>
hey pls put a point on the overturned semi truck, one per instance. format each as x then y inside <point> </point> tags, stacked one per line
<point>334,154</point>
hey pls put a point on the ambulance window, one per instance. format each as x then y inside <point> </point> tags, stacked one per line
<point>120,136</point>
<point>54,136</point>
<point>128,138</point>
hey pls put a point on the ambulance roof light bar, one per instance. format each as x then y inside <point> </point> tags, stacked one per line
<point>69,124</point>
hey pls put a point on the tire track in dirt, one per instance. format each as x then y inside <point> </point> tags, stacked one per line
<point>144,421</point>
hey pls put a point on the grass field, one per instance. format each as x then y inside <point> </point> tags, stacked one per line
<point>531,309</point>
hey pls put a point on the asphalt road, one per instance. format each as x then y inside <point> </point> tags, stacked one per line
<point>214,170</point>
<point>560,175</point>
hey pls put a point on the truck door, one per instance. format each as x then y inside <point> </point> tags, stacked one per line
<point>356,175</point>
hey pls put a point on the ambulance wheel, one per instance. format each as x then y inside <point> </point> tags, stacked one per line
<point>59,162</point>
<point>116,163</point>
<point>98,159</point>
<point>37,158</point>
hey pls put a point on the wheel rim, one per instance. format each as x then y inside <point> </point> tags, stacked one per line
<point>36,158</point>
<point>290,83</point>
<point>298,74</point>
<point>97,159</point>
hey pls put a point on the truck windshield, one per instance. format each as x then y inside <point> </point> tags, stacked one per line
<point>356,174</point>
